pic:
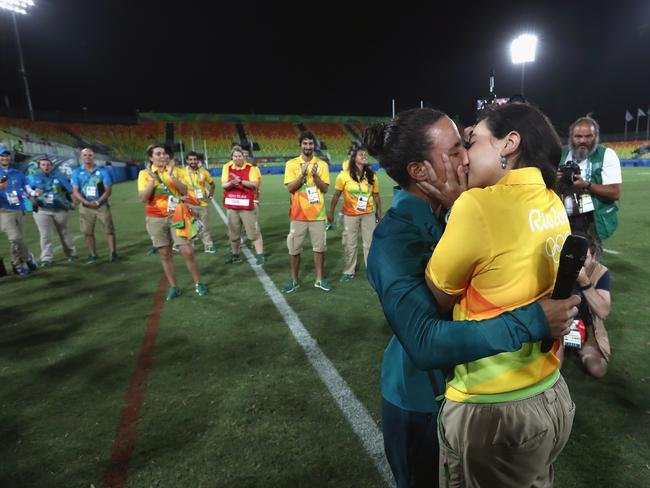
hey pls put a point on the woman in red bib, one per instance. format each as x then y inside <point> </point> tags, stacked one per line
<point>240,181</point>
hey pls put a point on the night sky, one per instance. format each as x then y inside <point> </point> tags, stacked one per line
<point>326,58</point>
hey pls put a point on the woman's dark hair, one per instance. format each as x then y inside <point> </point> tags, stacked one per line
<point>355,174</point>
<point>402,140</point>
<point>540,146</point>
<point>153,146</point>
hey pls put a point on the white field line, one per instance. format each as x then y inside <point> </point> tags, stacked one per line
<point>611,251</point>
<point>59,247</point>
<point>353,410</point>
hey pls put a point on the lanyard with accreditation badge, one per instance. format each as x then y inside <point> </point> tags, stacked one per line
<point>312,191</point>
<point>198,190</point>
<point>585,202</point>
<point>172,201</point>
<point>362,201</point>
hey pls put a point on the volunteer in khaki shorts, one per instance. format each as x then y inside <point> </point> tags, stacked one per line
<point>239,180</point>
<point>159,186</point>
<point>200,187</point>
<point>92,187</point>
<point>307,178</point>
<point>361,208</point>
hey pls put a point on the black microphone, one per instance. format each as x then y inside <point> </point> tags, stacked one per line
<point>572,259</point>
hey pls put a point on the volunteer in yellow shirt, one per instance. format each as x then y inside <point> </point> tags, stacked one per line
<point>239,180</point>
<point>160,188</point>
<point>500,251</point>
<point>361,208</point>
<point>200,187</point>
<point>307,179</point>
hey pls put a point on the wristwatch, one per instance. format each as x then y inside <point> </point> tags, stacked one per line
<point>588,186</point>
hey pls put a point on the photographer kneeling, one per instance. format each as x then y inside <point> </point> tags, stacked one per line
<point>588,332</point>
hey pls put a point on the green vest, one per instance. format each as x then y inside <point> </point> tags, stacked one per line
<point>605,211</point>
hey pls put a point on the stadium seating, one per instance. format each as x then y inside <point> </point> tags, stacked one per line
<point>275,139</point>
<point>36,131</point>
<point>122,142</point>
<point>218,137</point>
<point>335,137</point>
<point>629,149</point>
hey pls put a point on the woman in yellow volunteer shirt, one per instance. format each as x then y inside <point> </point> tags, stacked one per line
<point>160,187</point>
<point>361,208</point>
<point>506,418</point>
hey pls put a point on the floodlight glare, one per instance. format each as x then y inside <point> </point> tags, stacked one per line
<point>20,7</point>
<point>522,49</point>
<point>16,6</point>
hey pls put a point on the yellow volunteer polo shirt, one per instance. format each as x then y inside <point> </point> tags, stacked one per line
<point>308,202</point>
<point>500,251</point>
<point>353,190</point>
<point>197,183</point>
<point>157,205</point>
<point>345,165</point>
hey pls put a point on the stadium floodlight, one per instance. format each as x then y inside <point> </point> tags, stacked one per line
<point>20,7</point>
<point>16,6</point>
<point>522,51</point>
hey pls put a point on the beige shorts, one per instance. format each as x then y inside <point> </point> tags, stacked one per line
<point>297,232</point>
<point>161,232</point>
<point>89,216</point>
<point>247,218</point>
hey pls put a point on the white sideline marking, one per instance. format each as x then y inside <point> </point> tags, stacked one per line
<point>352,408</point>
<point>611,251</point>
<point>59,247</point>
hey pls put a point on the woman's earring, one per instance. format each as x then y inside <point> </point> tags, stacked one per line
<point>504,162</point>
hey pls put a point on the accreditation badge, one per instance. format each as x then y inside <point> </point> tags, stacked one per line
<point>574,338</point>
<point>172,203</point>
<point>199,194</point>
<point>586,203</point>
<point>362,203</point>
<point>12,198</point>
<point>312,195</point>
<point>91,191</point>
<point>48,198</point>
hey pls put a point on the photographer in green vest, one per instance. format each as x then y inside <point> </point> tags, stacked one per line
<point>589,180</point>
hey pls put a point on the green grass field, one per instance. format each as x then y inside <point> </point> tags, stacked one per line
<point>231,399</point>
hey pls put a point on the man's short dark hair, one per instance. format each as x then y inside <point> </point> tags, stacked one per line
<point>306,134</point>
<point>192,153</point>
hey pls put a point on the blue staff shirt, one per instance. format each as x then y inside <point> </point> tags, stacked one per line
<point>92,184</point>
<point>13,198</point>
<point>55,187</point>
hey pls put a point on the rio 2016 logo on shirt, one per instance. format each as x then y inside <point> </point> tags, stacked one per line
<point>539,221</point>
<point>554,246</point>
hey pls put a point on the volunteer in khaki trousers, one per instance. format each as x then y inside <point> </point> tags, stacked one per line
<point>13,185</point>
<point>53,195</point>
<point>361,208</point>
